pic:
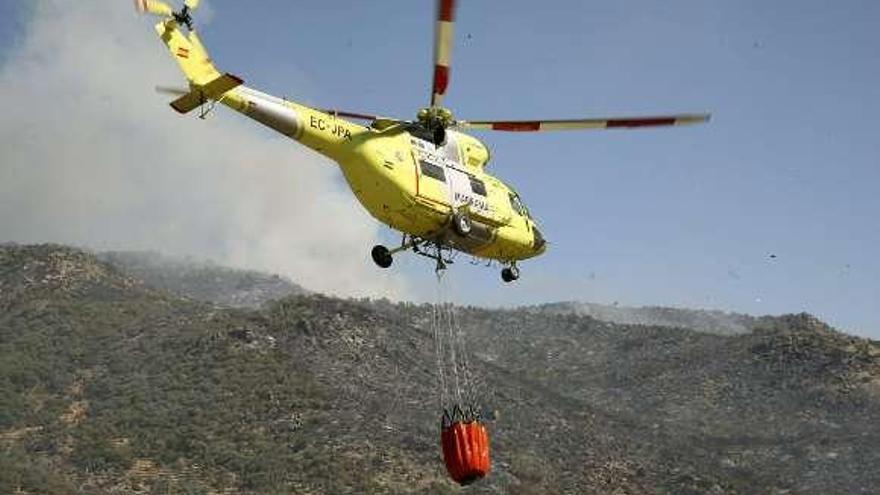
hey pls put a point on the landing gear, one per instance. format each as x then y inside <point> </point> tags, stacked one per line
<point>462,224</point>
<point>510,273</point>
<point>382,256</point>
<point>443,255</point>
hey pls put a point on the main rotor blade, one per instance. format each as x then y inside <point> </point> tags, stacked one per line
<point>155,7</point>
<point>351,115</point>
<point>192,4</point>
<point>443,31</point>
<point>575,124</point>
<point>376,121</point>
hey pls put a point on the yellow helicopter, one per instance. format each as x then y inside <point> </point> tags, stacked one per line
<point>424,178</point>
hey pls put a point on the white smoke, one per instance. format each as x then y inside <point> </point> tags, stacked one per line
<point>92,156</point>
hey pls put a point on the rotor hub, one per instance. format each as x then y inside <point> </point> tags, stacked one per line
<point>435,117</point>
<point>184,17</point>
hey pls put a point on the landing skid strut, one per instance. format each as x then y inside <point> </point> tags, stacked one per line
<point>384,257</point>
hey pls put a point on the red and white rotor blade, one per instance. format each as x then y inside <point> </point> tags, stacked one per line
<point>443,32</point>
<point>155,7</point>
<point>577,124</point>
<point>376,121</point>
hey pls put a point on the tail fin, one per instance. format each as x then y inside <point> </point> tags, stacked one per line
<point>189,53</point>
<point>204,79</point>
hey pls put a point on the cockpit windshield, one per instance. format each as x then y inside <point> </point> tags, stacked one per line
<point>518,205</point>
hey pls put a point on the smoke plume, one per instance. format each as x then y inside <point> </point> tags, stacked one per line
<point>92,156</point>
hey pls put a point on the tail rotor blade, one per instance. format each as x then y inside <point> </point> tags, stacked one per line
<point>155,7</point>
<point>171,90</point>
<point>443,31</point>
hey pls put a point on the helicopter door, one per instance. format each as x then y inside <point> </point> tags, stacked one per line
<point>432,181</point>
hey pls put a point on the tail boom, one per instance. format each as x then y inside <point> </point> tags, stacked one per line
<point>324,133</point>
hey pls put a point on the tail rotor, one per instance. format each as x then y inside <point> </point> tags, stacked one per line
<point>162,9</point>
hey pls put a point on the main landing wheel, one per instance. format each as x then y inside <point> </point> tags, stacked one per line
<point>510,274</point>
<point>381,256</point>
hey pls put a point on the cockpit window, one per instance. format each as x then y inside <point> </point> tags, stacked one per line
<point>517,205</point>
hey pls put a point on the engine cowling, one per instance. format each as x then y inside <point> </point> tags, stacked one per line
<point>474,153</point>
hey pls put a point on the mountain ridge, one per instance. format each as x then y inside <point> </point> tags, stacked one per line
<point>110,385</point>
<point>715,321</point>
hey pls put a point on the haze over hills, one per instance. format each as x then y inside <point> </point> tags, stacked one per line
<point>712,321</point>
<point>118,374</point>
<point>201,280</point>
<point>211,282</point>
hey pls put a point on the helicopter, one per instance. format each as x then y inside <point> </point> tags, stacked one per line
<point>425,178</point>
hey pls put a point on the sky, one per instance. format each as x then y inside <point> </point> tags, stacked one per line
<point>770,208</point>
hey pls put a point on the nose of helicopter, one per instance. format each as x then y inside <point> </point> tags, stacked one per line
<point>539,244</point>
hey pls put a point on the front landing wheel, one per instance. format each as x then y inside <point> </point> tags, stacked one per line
<point>510,274</point>
<point>381,256</point>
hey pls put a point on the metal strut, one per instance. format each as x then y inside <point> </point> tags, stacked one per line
<point>435,252</point>
<point>406,243</point>
<point>441,264</point>
<point>460,414</point>
<point>206,107</point>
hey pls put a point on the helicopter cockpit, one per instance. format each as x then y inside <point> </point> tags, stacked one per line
<point>539,243</point>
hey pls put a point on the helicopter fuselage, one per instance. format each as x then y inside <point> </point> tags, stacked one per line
<point>405,181</point>
<point>422,178</point>
<point>427,192</point>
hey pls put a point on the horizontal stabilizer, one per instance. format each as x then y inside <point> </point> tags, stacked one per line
<point>214,90</point>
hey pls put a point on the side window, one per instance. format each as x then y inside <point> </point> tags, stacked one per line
<point>518,206</point>
<point>432,171</point>
<point>478,187</point>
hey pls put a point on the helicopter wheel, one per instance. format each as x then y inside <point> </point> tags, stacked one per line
<point>510,274</point>
<point>381,256</point>
<point>462,224</point>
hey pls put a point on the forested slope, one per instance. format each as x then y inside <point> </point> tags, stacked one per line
<point>109,385</point>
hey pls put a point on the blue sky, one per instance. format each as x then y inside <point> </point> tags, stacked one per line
<point>789,165</point>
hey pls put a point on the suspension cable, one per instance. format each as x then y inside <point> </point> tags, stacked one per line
<point>451,340</point>
<point>458,384</point>
<point>439,351</point>
<point>470,390</point>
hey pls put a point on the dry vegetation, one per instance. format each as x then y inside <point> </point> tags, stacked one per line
<point>108,385</point>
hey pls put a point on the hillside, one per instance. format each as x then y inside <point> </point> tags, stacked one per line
<point>111,385</point>
<point>202,281</point>
<point>702,320</point>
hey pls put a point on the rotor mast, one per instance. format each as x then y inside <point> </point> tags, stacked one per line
<point>436,118</point>
<point>162,9</point>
